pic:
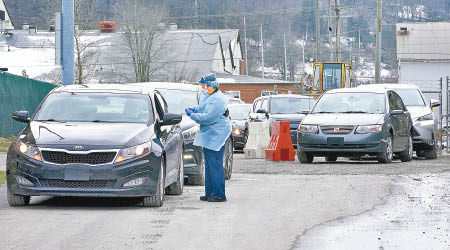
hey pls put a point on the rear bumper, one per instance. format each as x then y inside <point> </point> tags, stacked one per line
<point>238,141</point>
<point>106,180</point>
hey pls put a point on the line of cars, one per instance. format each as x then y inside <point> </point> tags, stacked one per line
<point>379,120</point>
<point>108,140</point>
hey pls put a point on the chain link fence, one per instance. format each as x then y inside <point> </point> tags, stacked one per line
<point>19,93</point>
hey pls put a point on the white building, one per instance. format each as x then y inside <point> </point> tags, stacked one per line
<point>423,54</point>
<point>5,19</point>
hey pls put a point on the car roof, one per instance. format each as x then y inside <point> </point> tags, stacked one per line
<point>285,96</point>
<point>358,90</point>
<point>235,105</point>
<point>104,88</point>
<point>390,86</point>
<point>169,85</point>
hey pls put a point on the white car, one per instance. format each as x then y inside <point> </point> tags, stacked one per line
<point>425,126</point>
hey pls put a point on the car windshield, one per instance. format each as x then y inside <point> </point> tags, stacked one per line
<point>290,105</point>
<point>240,112</point>
<point>410,97</point>
<point>178,100</point>
<point>372,103</point>
<point>96,107</point>
<point>234,101</point>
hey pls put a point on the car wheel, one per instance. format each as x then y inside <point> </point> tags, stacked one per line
<point>177,187</point>
<point>407,154</point>
<point>228,159</point>
<point>304,157</point>
<point>387,154</point>
<point>17,200</point>
<point>157,200</point>
<point>331,158</point>
<point>431,154</point>
<point>198,179</point>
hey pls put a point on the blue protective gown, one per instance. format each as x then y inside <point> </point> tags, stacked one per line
<point>215,128</point>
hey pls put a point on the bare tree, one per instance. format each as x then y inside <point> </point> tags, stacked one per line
<point>145,37</point>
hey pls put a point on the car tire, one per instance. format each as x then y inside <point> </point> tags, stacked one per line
<point>177,187</point>
<point>331,158</point>
<point>157,199</point>
<point>198,179</point>
<point>407,154</point>
<point>387,154</point>
<point>304,157</point>
<point>17,200</point>
<point>431,154</point>
<point>228,159</point>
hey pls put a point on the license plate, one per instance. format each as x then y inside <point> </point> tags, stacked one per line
<point>76,174</point>
<point>335,140</point>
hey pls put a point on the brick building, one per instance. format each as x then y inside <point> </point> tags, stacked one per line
<point>249,88</point>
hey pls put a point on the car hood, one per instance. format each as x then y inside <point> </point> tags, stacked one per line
<point>287,117</point>
<point>187,123</point>
<point>418,111</point>
<point>87,133</point>
<point>238,124</point>
<point>343,119</point>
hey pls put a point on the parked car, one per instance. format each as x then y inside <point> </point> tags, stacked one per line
<point>281,108</point>
<point>239,114</point>
<point>353,122</point>
<point>180,96</point>
<point>100,141</point>
<point>425,125</point>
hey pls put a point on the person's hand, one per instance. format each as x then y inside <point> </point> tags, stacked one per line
<point>189,111</point>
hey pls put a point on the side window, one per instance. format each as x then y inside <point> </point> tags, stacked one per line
<point>256,106</point>
<point>264,105</point>
<point>162,102</point>
<point>399,102</point>
<point>159,107</point>
<point>395,102</point>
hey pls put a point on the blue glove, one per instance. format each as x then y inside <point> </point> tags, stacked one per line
<point>189,111</point>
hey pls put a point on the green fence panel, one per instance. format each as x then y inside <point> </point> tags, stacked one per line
<point>19,93</point>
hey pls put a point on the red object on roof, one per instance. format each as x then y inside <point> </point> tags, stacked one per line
<point>108,26</point>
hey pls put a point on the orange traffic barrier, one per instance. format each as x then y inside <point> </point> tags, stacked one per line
<point>280,146</point>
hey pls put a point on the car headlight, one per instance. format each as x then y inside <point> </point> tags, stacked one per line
<point>368,129</point>
<point>237,131</point>
<point>189,134</point>
<point>310,129</point>
<point>131,152</point>
<point>29,150</point>
<point>425,117</point>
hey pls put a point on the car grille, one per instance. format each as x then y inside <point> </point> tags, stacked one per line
<point>91,158</point>
<point>74,184</point>
<point>336,130</point>
<point>345,146</point>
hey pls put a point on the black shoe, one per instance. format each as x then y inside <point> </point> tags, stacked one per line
<point>204,198</point>
<point>210,199</point>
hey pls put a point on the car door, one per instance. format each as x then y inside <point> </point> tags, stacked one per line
<point>170,139</point>
<point>398,121</point>
<point>405,121</point>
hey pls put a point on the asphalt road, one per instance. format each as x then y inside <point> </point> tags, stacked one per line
<point>343,205</point>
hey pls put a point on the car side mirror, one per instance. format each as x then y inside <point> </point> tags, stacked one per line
<point>261,111</point>
<point>434,103</point>
<point>21,116</point>
<point>397,112</point>
<point>171,119</point>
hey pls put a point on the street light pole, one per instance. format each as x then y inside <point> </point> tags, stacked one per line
<point>68,54</point>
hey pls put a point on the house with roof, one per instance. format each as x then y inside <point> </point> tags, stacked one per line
<point>6,23</point>
<point>423,56</point>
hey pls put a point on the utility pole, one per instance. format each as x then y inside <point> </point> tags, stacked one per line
<point>285,57</point>
<point>245,47</point>
<point>195,14</point>
<point>359,47</point>
<point>338,36</point>
<point>378,45</point>
<point>68,54</point>
<point>317,54</point>
<point>329,30</point>
<point>262,49</point>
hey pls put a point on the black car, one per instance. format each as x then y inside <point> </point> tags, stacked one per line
<point>180,96</point>
<point>239,115</point>
<point>281,108</point>
<point>98,141</point>
<point>353,122</point>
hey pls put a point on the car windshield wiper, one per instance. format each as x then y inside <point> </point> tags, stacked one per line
<point>357,112</point>
<point>102,121</point>
<point>49,120</point>
<point>323,112</point>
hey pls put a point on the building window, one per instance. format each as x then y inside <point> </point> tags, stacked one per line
<point>267,92</point>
